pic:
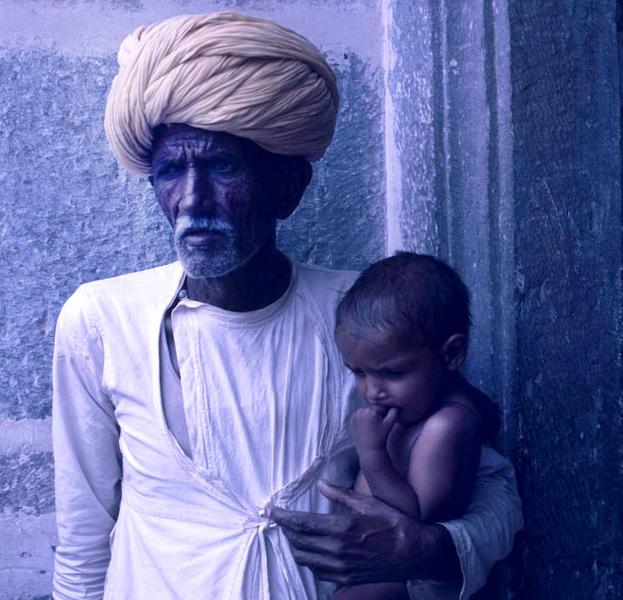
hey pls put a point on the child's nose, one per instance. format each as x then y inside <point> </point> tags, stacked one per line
<point>375,389</point>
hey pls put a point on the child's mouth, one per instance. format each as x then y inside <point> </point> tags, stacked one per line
<point>381,409</point>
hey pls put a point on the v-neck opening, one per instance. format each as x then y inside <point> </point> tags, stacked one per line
<point>327,433</point>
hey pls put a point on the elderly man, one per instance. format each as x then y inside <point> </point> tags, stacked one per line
<point>197,405</point>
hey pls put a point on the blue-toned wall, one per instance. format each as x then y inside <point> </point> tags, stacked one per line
<point>568,418</point>
<point>71,215</point>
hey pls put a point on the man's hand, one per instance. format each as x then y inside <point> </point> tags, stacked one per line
<point>370,427</point>
<point>373,543</point>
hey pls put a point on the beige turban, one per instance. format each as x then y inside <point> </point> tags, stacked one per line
<point>225,72</point>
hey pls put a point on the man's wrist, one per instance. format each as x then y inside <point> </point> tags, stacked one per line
<point>434,554</point>
<point>446,565</point>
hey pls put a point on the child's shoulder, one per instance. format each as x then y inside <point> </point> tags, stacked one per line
<point>456,417</point>
<point>465,398</point>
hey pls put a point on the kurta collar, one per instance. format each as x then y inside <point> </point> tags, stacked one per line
<point>174,289</point>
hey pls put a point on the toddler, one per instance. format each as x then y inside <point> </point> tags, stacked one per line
<point>402,330</point>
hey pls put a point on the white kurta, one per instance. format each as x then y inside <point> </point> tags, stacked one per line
<point>266,400</point>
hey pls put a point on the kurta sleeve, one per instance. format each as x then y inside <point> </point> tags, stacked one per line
<point>486,532</point>
<point>86,455</point>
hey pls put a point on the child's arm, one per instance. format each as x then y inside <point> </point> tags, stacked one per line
<point>442,468</point>
<point>378,476</point>
<point>443,462</point>
<point>370,429</point>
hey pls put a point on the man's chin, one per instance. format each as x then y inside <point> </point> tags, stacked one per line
<point>199,266</point>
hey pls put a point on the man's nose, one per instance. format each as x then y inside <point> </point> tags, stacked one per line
<point>197,195</point>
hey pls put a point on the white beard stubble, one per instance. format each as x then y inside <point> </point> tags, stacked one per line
<point>229,253</point>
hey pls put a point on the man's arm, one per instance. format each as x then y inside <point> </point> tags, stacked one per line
<point>86,455</point>
<point>378,543</point>
<point>486,532</point>
<point>375,542</point>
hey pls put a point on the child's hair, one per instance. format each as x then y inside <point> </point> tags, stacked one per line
<point>421,297</point>
<point>413,293</point>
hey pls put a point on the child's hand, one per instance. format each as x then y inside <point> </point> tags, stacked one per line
<point>370,427</point>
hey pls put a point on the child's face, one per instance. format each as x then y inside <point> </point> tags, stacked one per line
<point>392,371</point>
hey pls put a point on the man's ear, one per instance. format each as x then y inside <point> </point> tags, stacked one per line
<point>289,184</point>
<point>454,351</point>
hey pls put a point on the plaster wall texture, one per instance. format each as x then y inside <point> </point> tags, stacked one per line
<point>71,215</point>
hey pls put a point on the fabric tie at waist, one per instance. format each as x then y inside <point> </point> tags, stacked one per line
<point>256,531</point>
<point>265,531</point>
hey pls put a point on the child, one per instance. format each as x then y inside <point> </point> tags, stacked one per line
<point>402,330</point>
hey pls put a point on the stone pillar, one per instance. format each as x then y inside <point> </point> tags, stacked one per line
<point>505,125</point>
<point>567,207</point>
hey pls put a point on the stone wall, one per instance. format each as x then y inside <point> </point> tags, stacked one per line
<point>71,215</point>
<point>567,424</point>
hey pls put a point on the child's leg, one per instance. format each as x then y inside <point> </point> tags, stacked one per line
<point>372,591</point>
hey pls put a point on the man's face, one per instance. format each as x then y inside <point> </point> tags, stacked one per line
<point>212,189</point>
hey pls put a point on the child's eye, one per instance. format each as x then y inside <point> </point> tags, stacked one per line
<point>392,374</point>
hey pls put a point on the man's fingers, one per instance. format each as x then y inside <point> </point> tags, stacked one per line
<point>325,568</point>
<point>360,503</point>
<point>321,545</point>
<point>335,568</point>
<point>309,523</point>
<point>315,560</point>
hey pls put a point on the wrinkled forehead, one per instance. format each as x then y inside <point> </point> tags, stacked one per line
<point>180,133</point>
<point>174,139</point>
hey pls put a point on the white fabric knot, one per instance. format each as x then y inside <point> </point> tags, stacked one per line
<point>259,521</point>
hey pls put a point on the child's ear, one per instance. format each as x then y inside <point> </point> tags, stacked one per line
<point>454,351</point>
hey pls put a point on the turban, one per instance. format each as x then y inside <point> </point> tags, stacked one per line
<point>246,76</point>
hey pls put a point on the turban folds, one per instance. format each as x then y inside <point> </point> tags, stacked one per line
<point>224,72</point>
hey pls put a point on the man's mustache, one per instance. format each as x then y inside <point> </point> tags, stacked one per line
<point>186,225</point>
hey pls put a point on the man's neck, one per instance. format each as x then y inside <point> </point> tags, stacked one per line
<point>258,283</point>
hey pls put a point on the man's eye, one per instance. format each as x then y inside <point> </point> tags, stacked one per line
<point>224,165</point>
<point>168,169</point>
